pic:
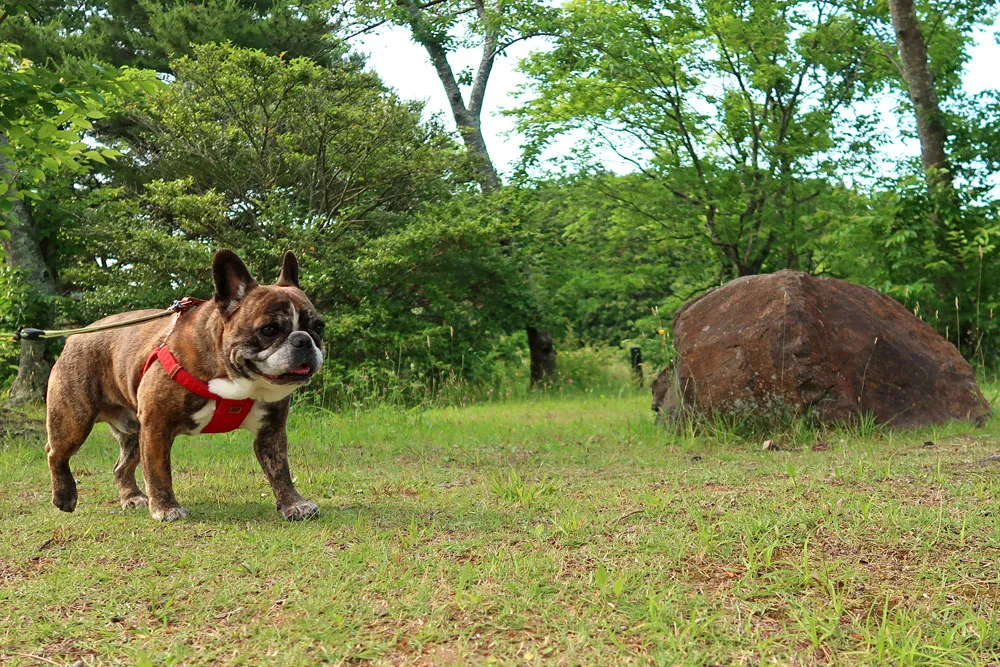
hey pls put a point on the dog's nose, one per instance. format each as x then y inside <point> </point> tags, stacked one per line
<point>300,339</point>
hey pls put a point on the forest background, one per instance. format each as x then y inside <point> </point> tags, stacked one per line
<point>665,148</point>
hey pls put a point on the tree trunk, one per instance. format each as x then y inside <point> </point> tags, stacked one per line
<point>472,135</point>
<point>23,252</point>
<point>920,85</point>
<point>32,374</point>
<point>543,355</point>
<point>467,117</point>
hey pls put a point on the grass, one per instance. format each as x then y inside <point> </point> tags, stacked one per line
<point>560,531</point>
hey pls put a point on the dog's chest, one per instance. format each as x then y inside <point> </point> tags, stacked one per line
<point>251,423</point>
<point>262,393</point>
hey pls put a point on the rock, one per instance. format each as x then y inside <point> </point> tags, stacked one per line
<point>772,345</point>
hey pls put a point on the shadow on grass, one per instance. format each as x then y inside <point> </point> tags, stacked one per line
<point>377,516</point>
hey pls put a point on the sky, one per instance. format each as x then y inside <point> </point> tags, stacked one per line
<point>404,66</point>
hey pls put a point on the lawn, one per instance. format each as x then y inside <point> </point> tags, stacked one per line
<point>558,531</point>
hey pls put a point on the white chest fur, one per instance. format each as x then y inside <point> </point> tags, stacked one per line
<point>258,390</point>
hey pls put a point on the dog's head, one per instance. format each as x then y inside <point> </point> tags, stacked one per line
<point>272,334</point>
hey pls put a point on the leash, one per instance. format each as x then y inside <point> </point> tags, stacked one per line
<point>177,307</point>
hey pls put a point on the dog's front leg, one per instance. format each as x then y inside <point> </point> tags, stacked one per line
<point>155,441</point>
<point>271,447</point>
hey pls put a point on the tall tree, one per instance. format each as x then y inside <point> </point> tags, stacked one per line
<point>23,251</point>
<point>63,42</point>
<point>942,240</point>
<point>42,120</point>
<point>441,27</point>
<point>147,34</point>
<point>735,109</point>
<point>261,153</point>
<point>255,151</point>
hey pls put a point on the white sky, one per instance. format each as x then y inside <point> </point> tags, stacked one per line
<point>404,65</point>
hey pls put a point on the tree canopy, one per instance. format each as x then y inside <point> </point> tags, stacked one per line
<point>138,137</point>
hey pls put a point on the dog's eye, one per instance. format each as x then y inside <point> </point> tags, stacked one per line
<point>319,326</point>
<point>268,330</point>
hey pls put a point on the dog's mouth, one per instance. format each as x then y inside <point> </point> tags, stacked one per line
<point>300,374</point>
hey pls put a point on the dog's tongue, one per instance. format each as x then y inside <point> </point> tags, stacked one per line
<point>301,370</point>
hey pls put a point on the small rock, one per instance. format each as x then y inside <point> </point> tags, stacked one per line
<point>928,444</point>
<point>770,446</point>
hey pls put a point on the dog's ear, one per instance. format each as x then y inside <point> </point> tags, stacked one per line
<point>232,280</point>
<point>289,271</point>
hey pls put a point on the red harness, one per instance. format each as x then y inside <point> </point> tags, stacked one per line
<point>228,415</point>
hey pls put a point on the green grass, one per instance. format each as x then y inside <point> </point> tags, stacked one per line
<point>562,531</point>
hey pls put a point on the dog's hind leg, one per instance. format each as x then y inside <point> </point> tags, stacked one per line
<point>68,423</point>
<point>129,493</point>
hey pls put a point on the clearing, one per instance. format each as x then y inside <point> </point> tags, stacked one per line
<point>558,531</point>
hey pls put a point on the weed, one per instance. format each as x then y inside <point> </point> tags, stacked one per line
<point>512,489</point>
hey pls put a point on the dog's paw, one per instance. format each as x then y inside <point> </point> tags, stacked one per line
<point>132,502</point>
<point>299,511</point>
<point>65,501</point>
<point>168,513</point>
<point>64,492</point>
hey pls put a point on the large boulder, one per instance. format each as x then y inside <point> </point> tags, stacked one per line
<point>770,345</point>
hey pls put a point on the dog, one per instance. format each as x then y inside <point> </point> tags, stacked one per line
<point>252,344</point>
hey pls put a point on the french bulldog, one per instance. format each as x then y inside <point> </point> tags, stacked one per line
<point>232,361</point>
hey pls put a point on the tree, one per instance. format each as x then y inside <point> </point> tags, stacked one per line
<point>735,109</point>
<point>42,119</point>
<point>441,27</point>
<point>255,151</point>
<point>148,34</point>
<point>73,51</point>
<point>602,265</point>
<point>262,154</point>
<point>940,231</point>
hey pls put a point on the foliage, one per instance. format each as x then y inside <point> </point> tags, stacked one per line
<point>265,154</point>
<point>600,263</point>
<point>941,259</point>
<point>220,159</point>
<point>747,127</point>
<point>43,118</point>
<point>455,25</point>
<point>151,33</point>
<point>733,108</point>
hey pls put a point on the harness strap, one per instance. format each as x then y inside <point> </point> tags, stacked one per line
<point>229,414</point>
